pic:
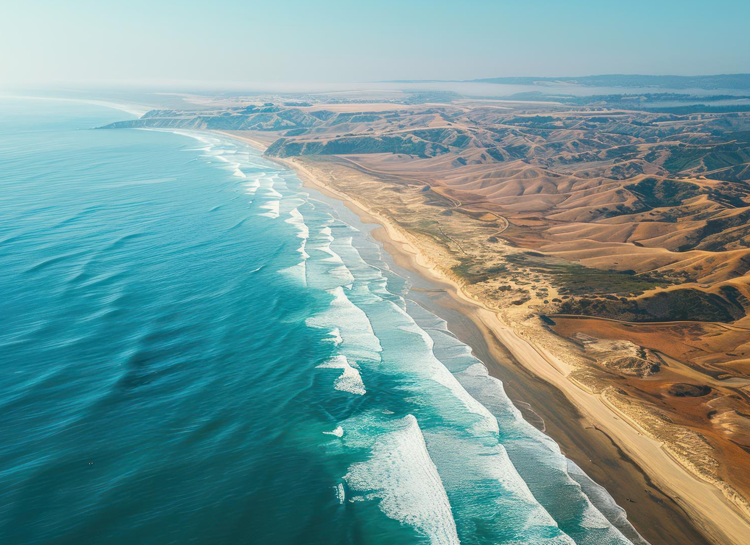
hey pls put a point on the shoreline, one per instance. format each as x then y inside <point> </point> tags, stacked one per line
<point>591,432</point>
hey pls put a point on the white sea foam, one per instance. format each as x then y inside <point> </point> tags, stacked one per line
<point>532,445</point>
<point>334,336</point>
<point>402,476</point>
<point>298,272</point>
<point>338,431</point>
<point>252,186</point>
<point>272,207</point>
<point>343,275</point>
<point>369,279</point>
<point>298,221</point>
<point>605,503</point>
<point>354,327</point>
<point>279,181</point>
<point>325,247</point>
<point>349,380</point>
<point>230,166</point>
<point>340,494</point>
<point>436,371</point>
<point>302,251</point>
<point>341,272</point>
<point>328,270</point>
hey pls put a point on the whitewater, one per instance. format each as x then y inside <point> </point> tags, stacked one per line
<point>235,358</point>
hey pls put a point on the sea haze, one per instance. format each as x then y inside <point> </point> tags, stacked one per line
<point>196,348</point>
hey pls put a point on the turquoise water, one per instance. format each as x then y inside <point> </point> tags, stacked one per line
<point>195,348</point>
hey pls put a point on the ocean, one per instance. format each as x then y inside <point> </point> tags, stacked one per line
<point>196,348</point>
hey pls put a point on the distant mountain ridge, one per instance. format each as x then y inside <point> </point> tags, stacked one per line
<point>722,81</point>
<point>719,81</point>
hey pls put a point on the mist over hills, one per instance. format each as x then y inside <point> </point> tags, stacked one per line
<point>719,81</point>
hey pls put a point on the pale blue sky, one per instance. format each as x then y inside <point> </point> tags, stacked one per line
<point>159,41</point>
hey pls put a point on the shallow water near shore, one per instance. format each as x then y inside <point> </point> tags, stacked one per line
<point>198,348</point>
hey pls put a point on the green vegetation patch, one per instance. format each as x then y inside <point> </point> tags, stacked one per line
<point>727,156</point>
<point>720,156</point>
<point>669,306</point>
<point>657,193</point>
<point>741,136</point>
<point>447,137</point>
<point>356,145</point>
<point>621,152</point>
<point>354,118</point>
<point>574,279</point>
<point>538,121</point>
<point>684,158</point>
<point>518,151</point>
<point>474,272</point>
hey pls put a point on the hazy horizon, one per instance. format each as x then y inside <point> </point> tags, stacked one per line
<point>240,43</point>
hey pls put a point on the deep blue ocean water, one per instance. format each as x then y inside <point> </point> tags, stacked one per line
<point>197,349</point>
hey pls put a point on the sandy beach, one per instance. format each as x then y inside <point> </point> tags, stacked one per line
<point>665,502</point>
